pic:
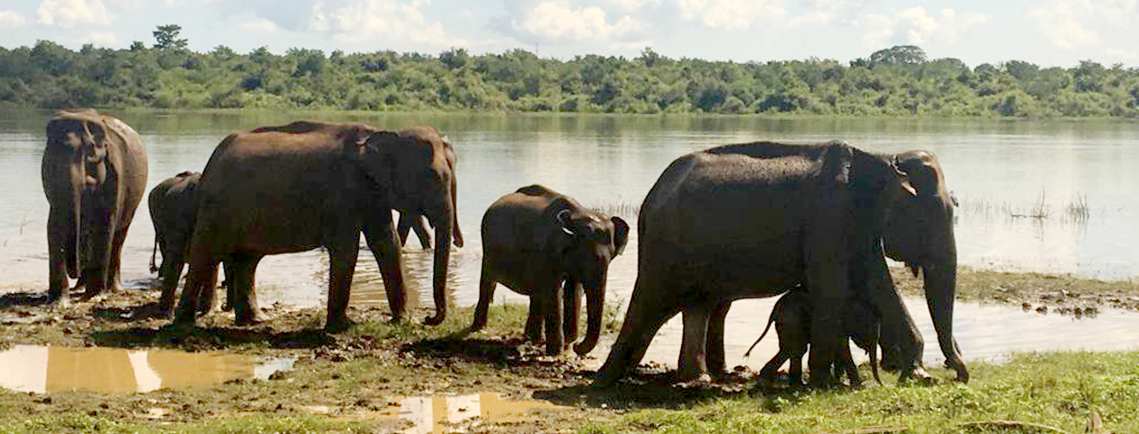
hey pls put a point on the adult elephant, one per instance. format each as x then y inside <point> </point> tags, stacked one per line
<point>305,185</point>
<point>409,221</point>
<point>755,220</point>
<point>94,175</point>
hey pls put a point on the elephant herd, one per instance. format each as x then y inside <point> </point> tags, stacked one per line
<point>814,222</point>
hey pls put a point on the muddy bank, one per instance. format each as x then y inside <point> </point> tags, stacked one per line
<point>1043,293</point>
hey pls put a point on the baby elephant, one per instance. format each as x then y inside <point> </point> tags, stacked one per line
<point>545,245</point>
<point>792,318</point>
<point>173,211</point>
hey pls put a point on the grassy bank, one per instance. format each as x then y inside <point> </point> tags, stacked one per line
<point>352,381</point>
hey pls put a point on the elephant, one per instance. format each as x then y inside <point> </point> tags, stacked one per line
<point>94,175</point>
<point>409,221</point>
<point>306,185</point>
<point>544,244</point>
<point>757,219</point>
<point>173,209</point>
<point>792,318</point>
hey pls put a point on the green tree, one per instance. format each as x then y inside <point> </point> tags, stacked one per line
<point>167,38</point>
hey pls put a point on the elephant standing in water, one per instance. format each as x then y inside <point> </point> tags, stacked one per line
<point>94,175</point>
<point>173,210</point>
<point>758,219</point>
<point>410,220</point>
<point>544,244</point>
<point>305,185</point>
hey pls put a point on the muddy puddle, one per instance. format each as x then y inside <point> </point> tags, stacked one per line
<point>444,414</point>
<point>48,369</point>
<point>984,331</point>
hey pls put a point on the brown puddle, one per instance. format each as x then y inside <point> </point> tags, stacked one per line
<point>440,414</point>
<point>48,369</point>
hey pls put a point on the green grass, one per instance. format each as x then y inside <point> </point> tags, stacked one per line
<point>1059,390</point>
<point>246,424</point>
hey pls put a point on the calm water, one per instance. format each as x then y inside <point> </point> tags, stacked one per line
<point>996,169</point>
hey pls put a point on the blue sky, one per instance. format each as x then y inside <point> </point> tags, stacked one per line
<point>1048,32</point>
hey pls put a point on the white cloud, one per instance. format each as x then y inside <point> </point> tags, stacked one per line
<point>633,5</point>
<point>103,39</point>
<point>730,14</point>
<point>559,21</point>
<point>1062,21</point>
<point>378,24</point>
<point>11,20</point>
<point>826,12</point>
<point>258,25</point>
<point>917,26</point>
<point>71,13</point>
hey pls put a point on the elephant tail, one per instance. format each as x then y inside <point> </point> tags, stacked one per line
<point>153,254</point>
<point>770,320</point>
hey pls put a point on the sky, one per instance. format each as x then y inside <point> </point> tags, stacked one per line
<point>1046,32</point>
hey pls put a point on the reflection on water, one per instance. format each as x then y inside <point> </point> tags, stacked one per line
<point>984,331</point>
<point>46,369</point>
<point>440,414</point>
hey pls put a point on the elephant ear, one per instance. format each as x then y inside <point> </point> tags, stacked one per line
<point>620,234</point>
<point>921,172</point>
<point>370,140</point>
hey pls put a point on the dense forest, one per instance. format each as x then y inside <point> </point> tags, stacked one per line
<point>898,81</point>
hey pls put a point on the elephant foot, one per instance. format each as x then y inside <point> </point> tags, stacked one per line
<point>248,320</point>
<point>91,295</point>
<point>58,302</point>
<point>691,375</point>
<point>436,319</point>
<point>338,325</point>
<point>918,375</point>
<point>699,380</point>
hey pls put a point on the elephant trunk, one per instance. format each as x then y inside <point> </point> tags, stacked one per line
<point>940,280</point>
<point>874,362</point>
<point>594,308</point>
<point>458,233</point>
<point>72,223</point>
<point>444,223</point>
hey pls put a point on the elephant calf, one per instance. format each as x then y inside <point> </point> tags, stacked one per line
<point>542,244</point>
<point>173,210</point>
<point>792,318</point>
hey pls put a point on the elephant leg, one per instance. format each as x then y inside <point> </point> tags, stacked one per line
<point>717,363</point>
<point>846,362</point>
<point>572,303</point>
<point>173,262</point>
<point>60,245</point>
<point>828,285</point>
<point>552,309</point>
<point>421,232</point>
<point>227,282</point>
<point>693,357</point>
<point>202,274</point>
<point>379,232</point>
<point>342,264</point>
<point>648,311</point>
<point>403,228</point>
<point>534,318</point>
<point>486,294</point>
<point>100,238</point>
<point>771,368</point>
<point>244,269</point>
<point>795,370</point>
<point>114,267</point>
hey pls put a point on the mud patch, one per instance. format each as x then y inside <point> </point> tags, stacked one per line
<point>50,369</point>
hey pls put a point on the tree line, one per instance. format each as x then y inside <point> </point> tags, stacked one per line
<point>897,81</point>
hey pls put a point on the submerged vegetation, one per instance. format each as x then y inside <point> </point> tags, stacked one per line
<point>898,81</point>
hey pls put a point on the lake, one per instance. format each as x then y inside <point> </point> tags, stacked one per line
<point>1049,196</point>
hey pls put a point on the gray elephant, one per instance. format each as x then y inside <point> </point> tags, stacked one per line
<point>758,219</point>
<point>94,175</point>
<point>544,244</point>
<point>792,318</point>
<point>306,185</point>
<point>173,210</point>
<point>409,221</point>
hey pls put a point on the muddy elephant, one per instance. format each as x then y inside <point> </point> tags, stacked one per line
<point>544,244</point>
<point>306,185</point>
<point>792,318</point>
<point>755,220</point>
<point>409,221</point>
<point>173,210</point>
<point>94,175</point>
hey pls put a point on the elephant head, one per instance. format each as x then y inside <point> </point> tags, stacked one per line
<point>80,166</point>
<point>415,174</point>
<point>585,243</point>
<point>918,230</point>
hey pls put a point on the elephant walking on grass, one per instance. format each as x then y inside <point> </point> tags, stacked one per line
<point>305,185</point>
<point>792,318</point>
<point>758,219</point>
<point>543,244</point>
<point>94,175</point>
<point>173,210</point>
